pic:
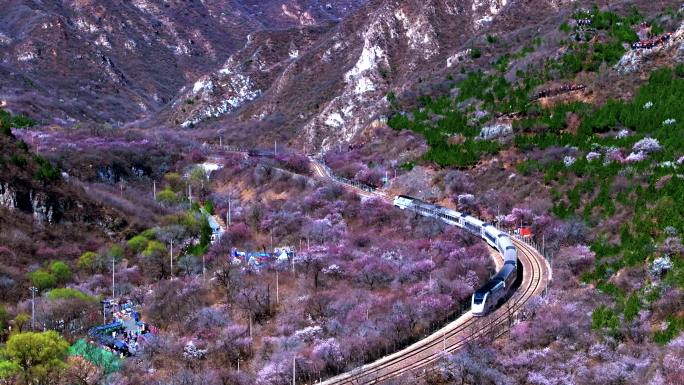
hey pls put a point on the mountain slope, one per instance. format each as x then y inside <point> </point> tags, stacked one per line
<point>93,60</point>
<point>330,84</point>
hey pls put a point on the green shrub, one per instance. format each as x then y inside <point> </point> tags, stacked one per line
<point>22,122</point>
<point>47,172</point>
<point>475,53</point>
<point>408,166</point>
<point>23,146</point>
<point>657,29</point>
<point>209,207</point>
<point>610,53</point>
<point>604,317</point>
<point>61,272</point>
<point>632,307</point>
<point>18,160</point>
<point>87,260</point>
<point>43,280</point>
<point>69,293</point>
<point>167,197</point>
<point>117,253</point>
<point>675,326</point>
<point>492,39</point>
<point>138,243</point>
<point>679,70</point>
<point>565,27</point>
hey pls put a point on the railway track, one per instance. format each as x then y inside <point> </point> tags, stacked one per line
<point>424,354</point>
<point>427,352</point>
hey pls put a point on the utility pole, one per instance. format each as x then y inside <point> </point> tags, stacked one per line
<point>294,366</point>
<point>33,307</point>
<point>228,212</point>
<point>113,296</point>
<point>121,185</point>
<point>190,193</point>
<point>275,147</point>
<point>154,189</point>
<point>171,275</point>
<point>277,289</point>
<point>203,270</point>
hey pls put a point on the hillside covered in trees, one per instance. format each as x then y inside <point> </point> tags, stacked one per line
<point>245,261</point>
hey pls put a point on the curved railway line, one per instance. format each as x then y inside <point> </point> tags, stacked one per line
<point>427,352</point>
<point>424,354</point>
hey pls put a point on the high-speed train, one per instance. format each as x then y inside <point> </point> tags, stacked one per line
<point>496,290</point>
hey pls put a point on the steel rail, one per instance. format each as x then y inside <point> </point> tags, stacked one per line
<point>466,328</point>
<point>429,349</point>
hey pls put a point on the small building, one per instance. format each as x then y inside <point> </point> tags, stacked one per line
<point>524,231</point>
<point>216,231</point>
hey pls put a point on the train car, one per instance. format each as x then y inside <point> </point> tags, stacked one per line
<point>499,287</point>
<point>496,290</point>
<point>429,210</point>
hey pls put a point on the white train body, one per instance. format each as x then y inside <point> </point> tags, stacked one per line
<point>498,287</point>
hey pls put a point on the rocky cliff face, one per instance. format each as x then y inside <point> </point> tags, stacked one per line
<point>43,207</point>
<point>113,60</point>
<point>331,81</point>
<point>323,68</point>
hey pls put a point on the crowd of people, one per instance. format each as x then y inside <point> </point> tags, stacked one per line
<point>583,22</point>
<point>557,91</point>
<point>117,337</point>
<point>130,342</point>
<point>658,41</point>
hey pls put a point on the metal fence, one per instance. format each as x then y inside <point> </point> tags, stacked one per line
<point>346,181</point>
